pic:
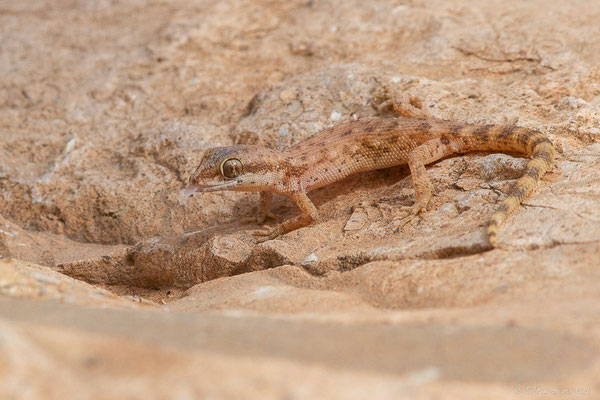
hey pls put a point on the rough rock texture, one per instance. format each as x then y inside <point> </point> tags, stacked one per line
<point>105,107</point>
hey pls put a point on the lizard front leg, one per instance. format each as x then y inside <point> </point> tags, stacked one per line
<point>308,214</point>
<point>264,209</point>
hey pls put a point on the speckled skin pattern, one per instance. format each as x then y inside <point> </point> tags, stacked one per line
<point>364,145</point>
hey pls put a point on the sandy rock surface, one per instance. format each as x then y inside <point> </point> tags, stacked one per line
<point>117,286</point>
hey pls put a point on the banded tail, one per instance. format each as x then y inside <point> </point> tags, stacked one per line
<point>541,151</point>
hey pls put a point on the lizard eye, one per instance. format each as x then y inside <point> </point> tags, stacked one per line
<point>231,168</point>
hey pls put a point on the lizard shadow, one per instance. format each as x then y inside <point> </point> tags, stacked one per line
<point>328,199</point>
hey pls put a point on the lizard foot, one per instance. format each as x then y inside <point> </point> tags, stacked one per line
<point>406,214</point>
<point>267,233</point>
<point>259,218</point>
<point>404,106</point>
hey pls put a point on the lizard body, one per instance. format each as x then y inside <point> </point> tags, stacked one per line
<point>364,145</point>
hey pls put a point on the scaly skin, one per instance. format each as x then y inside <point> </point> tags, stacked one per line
<point>364,145</point>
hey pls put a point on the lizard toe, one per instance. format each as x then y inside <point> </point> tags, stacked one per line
<point>400,221</point>
<point>259,218</point>
<point>405,215</point>
<point>267,233</point>
<point>271,215</point>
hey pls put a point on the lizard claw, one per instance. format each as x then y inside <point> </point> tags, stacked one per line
<point>267,233</point>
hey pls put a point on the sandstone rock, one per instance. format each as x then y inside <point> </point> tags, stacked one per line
<point>115,285</point>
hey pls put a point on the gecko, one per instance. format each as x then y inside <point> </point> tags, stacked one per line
<point>363,145</point>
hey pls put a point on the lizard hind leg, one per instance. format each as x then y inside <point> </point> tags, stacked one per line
<point>404,106</point>
<point>430,151</point>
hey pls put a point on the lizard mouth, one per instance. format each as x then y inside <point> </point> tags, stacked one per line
<point>191,189</point>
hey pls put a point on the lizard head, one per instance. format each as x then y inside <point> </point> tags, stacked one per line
<point>240,167</point>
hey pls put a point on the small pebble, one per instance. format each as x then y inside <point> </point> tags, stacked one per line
<point>335,116</point>
<point>309,260</point>
<point>287,95</point>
